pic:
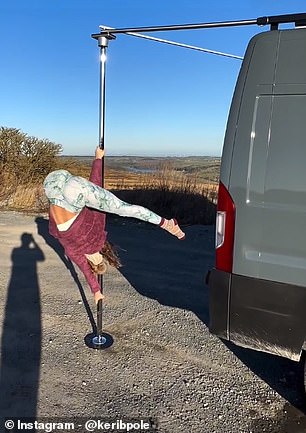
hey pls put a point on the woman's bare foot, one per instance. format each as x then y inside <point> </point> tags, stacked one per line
<point>172,227</point>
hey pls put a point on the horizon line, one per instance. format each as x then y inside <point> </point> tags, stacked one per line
<point>147,156</point>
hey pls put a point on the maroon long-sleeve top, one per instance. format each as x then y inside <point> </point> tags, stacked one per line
<point>86,235</point>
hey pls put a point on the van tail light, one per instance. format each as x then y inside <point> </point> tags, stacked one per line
<point>225,226</point>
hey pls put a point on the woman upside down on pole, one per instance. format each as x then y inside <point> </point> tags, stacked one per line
<point>77,219</point>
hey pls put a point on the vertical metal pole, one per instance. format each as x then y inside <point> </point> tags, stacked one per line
<point>102,340</point>
<point>99,323</point>
<point>103,44</point>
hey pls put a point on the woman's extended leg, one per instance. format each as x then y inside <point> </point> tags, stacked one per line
<point>80,192</point>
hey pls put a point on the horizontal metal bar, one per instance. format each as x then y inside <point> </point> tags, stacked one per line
<point>176,27</point>
<point>261,21</point>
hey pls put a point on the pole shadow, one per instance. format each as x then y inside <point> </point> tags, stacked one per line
<point>173,272</point>
<point>43,230</point>
<point>21,333</point>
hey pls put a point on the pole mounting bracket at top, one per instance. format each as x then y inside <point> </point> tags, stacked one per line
<point>103,38</point>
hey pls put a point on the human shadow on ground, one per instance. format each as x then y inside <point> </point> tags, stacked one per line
<point>43,230</point>
<point>173,272</point>
<point>21,334</point>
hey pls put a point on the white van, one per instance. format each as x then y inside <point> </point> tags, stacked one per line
<point>258,286</point>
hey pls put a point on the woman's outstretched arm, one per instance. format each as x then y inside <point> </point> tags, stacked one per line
<point>96,168</point>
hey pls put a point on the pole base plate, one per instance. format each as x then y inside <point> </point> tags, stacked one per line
<point>98,342</point>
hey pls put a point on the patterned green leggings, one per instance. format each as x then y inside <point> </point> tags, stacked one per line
<point>79,192</point>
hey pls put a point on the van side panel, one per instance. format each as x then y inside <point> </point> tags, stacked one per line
<point>283,246</point>
<point>237,109</point>
<point>255,111</point>
<point>264,169</point>
<point>268,177</point>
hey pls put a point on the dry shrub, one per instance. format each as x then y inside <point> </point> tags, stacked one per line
<point>24,163</point>
<point>26,197</point>
<point>29,159</point>
<point>170,193</point>
<point>8,184</point>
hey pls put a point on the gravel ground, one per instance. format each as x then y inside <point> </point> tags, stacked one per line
<point>163,364</point>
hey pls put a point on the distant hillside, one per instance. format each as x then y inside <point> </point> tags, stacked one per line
<point>206,168</point>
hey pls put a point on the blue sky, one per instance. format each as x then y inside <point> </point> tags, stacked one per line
<point>160,100</point>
